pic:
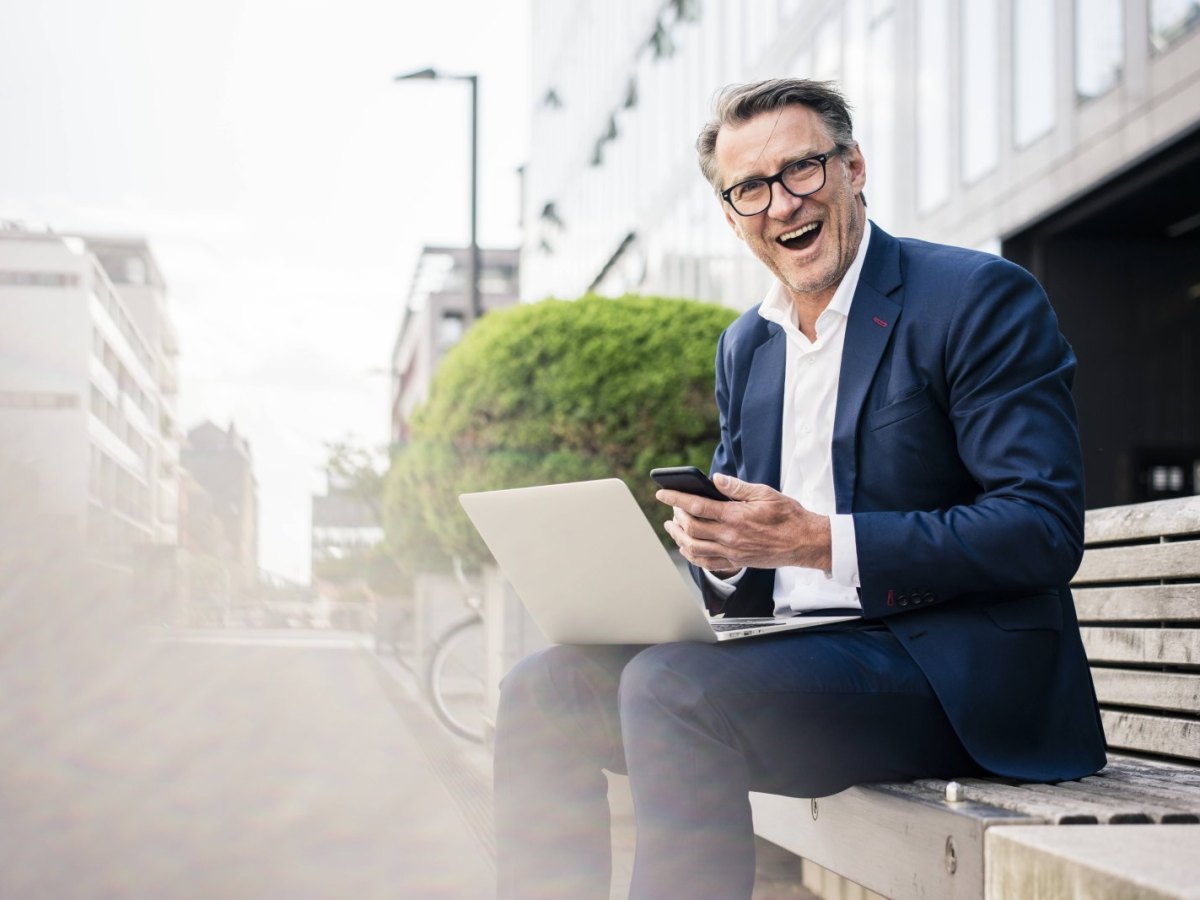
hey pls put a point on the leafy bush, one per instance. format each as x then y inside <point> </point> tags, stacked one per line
<point>560,391</point>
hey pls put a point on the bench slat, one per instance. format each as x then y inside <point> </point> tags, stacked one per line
<point>1058,806</point>
<point>1152,734</point>
<point>1170,691</point>
<point>1161,804</point>
<point>1174,517</point>
<point>1135,767</point>
<point>1154,603</point>
<point>1149,646</point>
<point>1169,792</point>
<point>1141,562</point>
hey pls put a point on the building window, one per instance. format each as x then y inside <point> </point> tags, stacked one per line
<point>1170,20</point>
<point>1099,35</point>
<point>880,143</point>
<point>933,104</point>
<point>801,63</point>
<point>980,88</point>
<point>827,50</point>
<point>37,400</point>
<point>39,279</point>
<point>135,270</point>
<point>450,329</point>
<point>1033,70</point>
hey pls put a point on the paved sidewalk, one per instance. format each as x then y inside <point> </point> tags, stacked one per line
<point>226,764</point>
<point>223,766</point>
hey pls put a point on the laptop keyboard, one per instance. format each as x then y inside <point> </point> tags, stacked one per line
<point>719,625</point>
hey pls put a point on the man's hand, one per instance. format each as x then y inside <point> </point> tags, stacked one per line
<point>758,527</point>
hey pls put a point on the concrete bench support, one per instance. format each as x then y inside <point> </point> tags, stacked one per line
<point>1117,861</point>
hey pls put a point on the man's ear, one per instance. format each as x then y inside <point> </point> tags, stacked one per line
<point>856,168</point>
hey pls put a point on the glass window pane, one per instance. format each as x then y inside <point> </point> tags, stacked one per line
<point>827,64</point>
<point>1171,19</point>
<point>801,64</point>
<point>1033,70</point>
<point>1098,53</point>
<point>933,104</point>
<point>879,144</point>
<point>980,94</point>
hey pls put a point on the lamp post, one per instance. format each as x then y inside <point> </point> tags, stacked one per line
<point>473,248</point>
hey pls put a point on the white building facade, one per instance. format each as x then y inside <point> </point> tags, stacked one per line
<point>975,116</point>
<point>85,398</point>
<point>1064,134</point>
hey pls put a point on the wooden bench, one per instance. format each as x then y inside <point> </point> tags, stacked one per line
<point>1138,597</point>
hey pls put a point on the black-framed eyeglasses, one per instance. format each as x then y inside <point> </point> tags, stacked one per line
<point>800,178</point>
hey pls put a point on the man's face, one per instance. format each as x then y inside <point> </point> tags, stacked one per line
<point>811,264</point>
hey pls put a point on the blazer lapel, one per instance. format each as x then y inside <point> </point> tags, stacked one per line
<point>873,317</point>
<point>762,410</point>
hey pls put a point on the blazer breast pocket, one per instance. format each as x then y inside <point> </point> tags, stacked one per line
<point>915,401</point>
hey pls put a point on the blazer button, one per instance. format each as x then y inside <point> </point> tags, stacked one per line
<point>904,602</point>
<point>929,598</point>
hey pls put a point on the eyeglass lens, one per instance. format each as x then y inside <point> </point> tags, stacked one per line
<point>803,177</point>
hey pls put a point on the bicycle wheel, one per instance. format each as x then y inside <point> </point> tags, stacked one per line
<point>455,679</point>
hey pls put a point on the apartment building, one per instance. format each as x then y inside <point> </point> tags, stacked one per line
<point>437,314</point>
<point>135,274</point>
<point>86,392</point>
<point>1063,134</point>
<point>221,520</point>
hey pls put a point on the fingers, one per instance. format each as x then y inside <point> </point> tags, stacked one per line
<point>736,489</point>
<point>706,554</point>
<point>700,507</point>
<point>697,546</point>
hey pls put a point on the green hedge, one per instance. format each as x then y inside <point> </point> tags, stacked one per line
<point>559,391</point>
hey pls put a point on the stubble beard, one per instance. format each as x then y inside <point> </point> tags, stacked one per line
<point>828,281</point>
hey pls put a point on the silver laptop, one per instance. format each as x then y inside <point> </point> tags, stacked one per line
<point>590,569</point>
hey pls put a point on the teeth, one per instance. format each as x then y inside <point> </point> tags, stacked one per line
<point>792,235</point>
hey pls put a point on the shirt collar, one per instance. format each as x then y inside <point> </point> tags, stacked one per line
<point>777,306</point>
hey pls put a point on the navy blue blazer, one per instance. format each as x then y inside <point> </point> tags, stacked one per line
<point>956,449</point>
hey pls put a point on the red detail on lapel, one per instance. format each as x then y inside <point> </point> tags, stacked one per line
<point>891,601</point>
<point>878,321</point>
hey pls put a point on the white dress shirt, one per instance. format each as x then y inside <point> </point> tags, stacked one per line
<point>806,456</point>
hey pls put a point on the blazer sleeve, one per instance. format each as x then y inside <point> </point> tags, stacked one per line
<point>752,596</point>
<point>1008,375</point>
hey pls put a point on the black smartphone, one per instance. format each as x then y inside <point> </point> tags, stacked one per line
<point>687,479</point>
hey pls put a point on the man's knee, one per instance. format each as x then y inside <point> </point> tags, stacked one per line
<point>537,673</point>
<point>666,677</point>
<point>564,677</point>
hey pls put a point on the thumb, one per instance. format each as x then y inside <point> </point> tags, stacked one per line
<point>736,489</point>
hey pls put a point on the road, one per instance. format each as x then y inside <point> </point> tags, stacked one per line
<point>229,765</point>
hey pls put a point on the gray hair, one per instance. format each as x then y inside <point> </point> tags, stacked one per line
<point>736,104</point>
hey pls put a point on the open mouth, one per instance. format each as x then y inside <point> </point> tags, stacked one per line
<point>802,237</point>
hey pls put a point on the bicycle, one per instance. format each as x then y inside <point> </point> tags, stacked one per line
<point>454,675</point>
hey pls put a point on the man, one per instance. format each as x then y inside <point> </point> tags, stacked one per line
<point>898,439</point>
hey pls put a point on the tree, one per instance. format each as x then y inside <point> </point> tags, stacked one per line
<point>356,492</point>
<point>560,391</point>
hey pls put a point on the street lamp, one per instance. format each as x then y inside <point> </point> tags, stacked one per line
<point>434,75</point>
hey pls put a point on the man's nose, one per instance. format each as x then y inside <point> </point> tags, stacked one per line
<point>783,203</point>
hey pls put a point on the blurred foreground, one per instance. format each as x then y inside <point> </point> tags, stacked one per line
<point>141,762</point>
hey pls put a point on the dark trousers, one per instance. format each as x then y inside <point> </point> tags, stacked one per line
<point>696,727</point>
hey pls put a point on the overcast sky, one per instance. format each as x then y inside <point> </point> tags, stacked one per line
<point>285,184</point>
